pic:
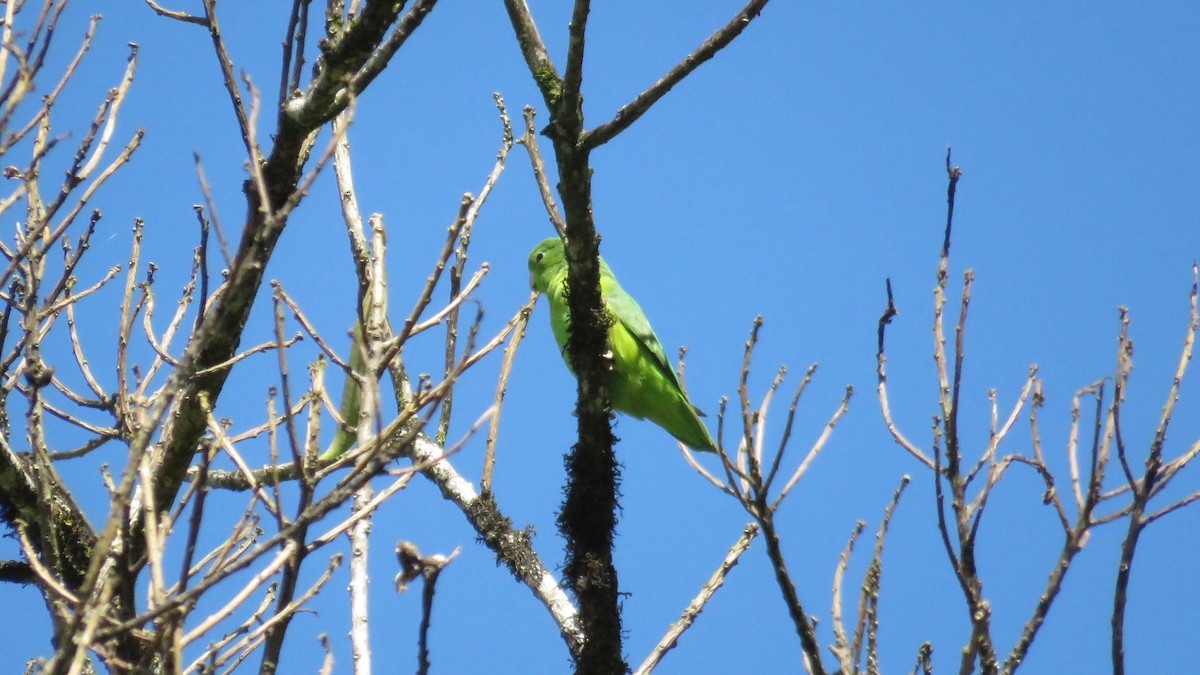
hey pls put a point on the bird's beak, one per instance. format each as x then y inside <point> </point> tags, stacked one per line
<point>531,282</point>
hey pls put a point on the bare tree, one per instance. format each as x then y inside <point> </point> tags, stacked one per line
<point>588,517</point>
<point>960,511</point>
<point>164,413</point>
<point>139,589</point>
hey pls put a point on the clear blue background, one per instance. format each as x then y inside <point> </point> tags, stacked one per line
<point>788,177</point>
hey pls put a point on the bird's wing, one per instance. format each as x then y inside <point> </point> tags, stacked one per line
<point>626,310</point>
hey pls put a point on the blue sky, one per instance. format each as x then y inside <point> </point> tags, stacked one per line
<point>788,177</point>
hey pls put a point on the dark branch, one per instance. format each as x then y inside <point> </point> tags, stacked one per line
<point>629,113</point>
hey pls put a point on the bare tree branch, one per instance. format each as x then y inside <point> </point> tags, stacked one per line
<point>692,612</point>
<point>630,112</point>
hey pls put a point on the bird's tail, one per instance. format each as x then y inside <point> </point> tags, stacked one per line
<point>694,434</point>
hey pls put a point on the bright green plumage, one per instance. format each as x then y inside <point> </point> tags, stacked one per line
<point>642,382</point>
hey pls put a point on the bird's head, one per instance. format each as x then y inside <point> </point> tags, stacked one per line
<point>547,261</point>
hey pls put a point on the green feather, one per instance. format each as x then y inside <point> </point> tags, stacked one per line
<point>351,407</point>
<point>642,382</point>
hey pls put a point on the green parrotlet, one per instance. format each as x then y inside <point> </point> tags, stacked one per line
<point>642,382</point>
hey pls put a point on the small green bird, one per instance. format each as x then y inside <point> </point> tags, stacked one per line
<point>642,382</point>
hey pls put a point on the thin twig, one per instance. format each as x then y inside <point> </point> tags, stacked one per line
<point>177,15</point>
<point>510,352</point>
<point>696,606</point>
<point>529,140</point>
<point>629,113</point>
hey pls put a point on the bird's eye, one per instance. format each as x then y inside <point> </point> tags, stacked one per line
<point>540,256</point>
